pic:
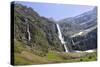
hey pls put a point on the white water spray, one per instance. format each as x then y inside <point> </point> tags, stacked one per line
<point>29,36</point>
<point>61,38</point>
<point>73,42</point>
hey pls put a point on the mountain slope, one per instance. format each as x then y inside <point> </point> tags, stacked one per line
<point>36,39</point>
<point>81,29</point>
<point>34,32</point>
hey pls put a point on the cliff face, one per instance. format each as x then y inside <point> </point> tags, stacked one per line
<point>82,29</point>
<point>86,42</point>
<point>40,40</point>
<point>37,33</point>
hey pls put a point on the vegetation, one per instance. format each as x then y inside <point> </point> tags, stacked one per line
<point>27,57</point>
<point>44,46</point>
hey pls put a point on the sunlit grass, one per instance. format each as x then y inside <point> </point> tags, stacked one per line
<point>23,56</point>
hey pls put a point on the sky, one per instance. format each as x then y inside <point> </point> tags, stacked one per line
<point>57,11</point>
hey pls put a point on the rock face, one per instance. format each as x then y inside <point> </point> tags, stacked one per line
<point>40,34</point>
<point>78,23</point>
<point>33,31</point>
<point>86,42</point>
<point>81,29</point>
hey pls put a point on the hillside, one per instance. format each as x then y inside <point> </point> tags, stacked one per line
<point>38,40</point>
<point>43,36</point>
<point>81,29</point>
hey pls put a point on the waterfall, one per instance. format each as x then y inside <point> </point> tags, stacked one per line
<point>73,42</point>
<point>61,38</point>
<point>29,36</point>
<point>89,51</point>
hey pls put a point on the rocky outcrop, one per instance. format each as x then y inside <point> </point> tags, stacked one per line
<point>82,29</point>
<point>35,31</point>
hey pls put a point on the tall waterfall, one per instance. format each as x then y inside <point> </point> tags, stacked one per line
<point>61,38</point>
<point>29,36</point>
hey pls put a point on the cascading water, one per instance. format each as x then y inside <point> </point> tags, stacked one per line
<point>81,51</point>
<point>61,38</point>
<point>29,36</point>
<point>73,42</point>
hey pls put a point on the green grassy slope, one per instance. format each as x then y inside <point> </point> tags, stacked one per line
<point>23,56</point>
<point>44,46</point>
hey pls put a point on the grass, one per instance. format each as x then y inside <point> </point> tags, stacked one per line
<point>72,57</point>
<point>28,58</point>
<point>19,60</point>
<point>23,56</point>
<point>53,56</point>
<point>90,57</point>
